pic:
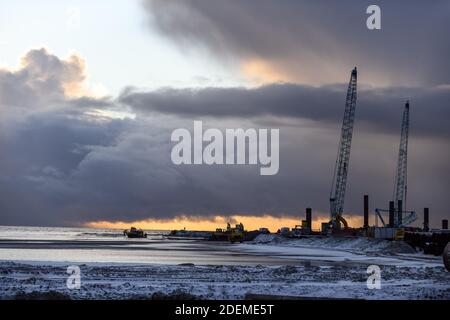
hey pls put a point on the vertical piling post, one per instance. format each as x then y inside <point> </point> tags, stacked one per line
<point>309,217</point>
<point>366,211</point>
<point>391,214</point>
<point>426,220</point>
<point>444,224</point>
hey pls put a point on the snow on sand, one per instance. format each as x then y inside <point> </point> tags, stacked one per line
<point>18,280</point>
<point>327,268</point>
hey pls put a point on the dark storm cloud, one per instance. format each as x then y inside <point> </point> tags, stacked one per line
<point>66,171</point>
<point>380,109</point>
<point>62,164</point>
<point>317,41</point>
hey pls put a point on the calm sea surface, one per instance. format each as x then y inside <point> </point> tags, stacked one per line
<point>62,245</point>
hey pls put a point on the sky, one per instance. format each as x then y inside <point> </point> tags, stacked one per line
<point>112,36</point>
<point>90,92</point>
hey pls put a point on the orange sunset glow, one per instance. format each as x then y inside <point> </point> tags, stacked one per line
<point>261,71</point>
<point>202,224</point>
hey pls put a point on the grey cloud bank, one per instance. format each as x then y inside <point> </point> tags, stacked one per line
<point>316,41</point>
<point>63,163</point>
<point>379,108</point>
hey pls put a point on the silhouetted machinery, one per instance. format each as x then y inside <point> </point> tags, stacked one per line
<point>397,216</point>
<point>337,194</point>
<point>135,233</point>
<point>235,234</point>
<point>230,234</point>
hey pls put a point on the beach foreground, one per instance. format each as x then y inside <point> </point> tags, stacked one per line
<point>34,281</point>
<point>34,265</point>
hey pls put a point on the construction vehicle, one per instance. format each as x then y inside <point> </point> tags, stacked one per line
<point>432,242</point>
<point>400,218</point>
<point>337,193</point>
<point>230,234</point>
<point>301,229</point>
<point>235,234</point>
<point>284,231</point>
<point>296,232</point>
<point>135,233</point>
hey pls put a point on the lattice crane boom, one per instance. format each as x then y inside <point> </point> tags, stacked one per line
<point>401,217</point>
<point>401,173</point>
<point>339,183</point>
<point>400,185</point>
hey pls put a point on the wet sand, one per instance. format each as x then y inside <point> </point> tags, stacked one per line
<point>134,251</point>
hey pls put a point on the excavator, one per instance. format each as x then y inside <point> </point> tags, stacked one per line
<point>235,234</point>
<point>230,234</point>
<point>135,233</point>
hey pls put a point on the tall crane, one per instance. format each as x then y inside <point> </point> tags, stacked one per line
<point>400,186</point>
<point>337,194</point>
<point>403,217</point>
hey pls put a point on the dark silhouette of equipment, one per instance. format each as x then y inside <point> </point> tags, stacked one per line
<point>337,194</point>
<point>400,216</point>
<point>135,233</point>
